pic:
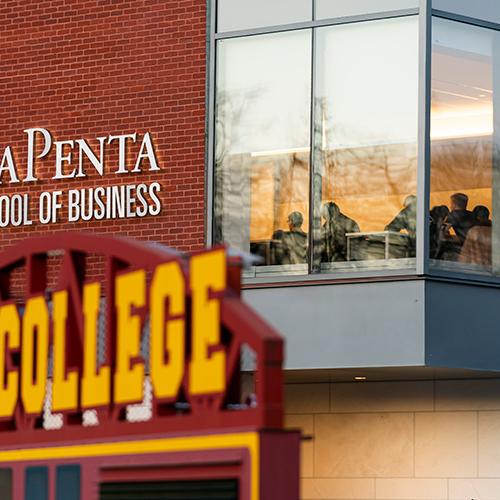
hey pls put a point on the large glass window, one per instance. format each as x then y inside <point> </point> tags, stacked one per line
<point>262,129</point>
<point>465,138</point>
<point>363,181</point>
<point>366,101</point>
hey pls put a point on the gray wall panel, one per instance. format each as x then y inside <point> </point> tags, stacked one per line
<point>463,326</point>
<point>347,325</point>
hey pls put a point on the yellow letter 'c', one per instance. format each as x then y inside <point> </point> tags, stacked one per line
<point>9,338</point>
<point>95,382</point>
<point>64,388</point>
<point>167,334</point>
<point>207,372</point>
<point>129,380</point>
<point>34,356</point>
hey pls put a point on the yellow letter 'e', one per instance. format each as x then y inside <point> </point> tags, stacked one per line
<point>207,372</point>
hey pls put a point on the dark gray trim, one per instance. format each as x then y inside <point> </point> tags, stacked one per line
<point>348,276</point>
<point>210,120</point>
<point>469,279</point>
<point>322,279</point>
<point>312,155</point>
<point>328,280</point>
<point>423,144</point>
<point>465,19</point>
<point>317,24</point>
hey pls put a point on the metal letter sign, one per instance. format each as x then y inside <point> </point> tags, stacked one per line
<point>95,330</point>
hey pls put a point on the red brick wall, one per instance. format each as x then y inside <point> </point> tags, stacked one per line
<point>89,68</point>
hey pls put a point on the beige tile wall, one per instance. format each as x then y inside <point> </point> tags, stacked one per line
<point>398,440</point>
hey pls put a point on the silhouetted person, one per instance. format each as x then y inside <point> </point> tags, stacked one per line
<point>438,216</point>
<point>406,220</point>
<point>333,233</point>
<point>277,247</point>
<point>295,240</point>
<point>292,246</point>
<point>477,246</point>
<point>481,216</point>
<point>460,220</point>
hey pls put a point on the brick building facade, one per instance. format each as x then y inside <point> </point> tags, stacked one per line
<point>85,69</point>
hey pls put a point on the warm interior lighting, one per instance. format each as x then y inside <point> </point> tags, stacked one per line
<point>360,378</point>
<point>272,152</point>
<point>476,122</point>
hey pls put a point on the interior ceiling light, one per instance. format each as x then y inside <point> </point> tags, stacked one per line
<point>272,152</point>
<point>469,122</point>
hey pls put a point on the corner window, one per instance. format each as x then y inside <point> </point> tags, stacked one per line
<point>465,138</point>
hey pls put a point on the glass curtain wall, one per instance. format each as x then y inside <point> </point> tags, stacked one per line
<point>465,139</point>
<point>363,82</point>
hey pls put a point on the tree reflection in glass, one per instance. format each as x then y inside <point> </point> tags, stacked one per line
<point>365,145</point>
<point>262,148</point>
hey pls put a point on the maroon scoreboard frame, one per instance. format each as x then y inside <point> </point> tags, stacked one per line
<point>55,292</point>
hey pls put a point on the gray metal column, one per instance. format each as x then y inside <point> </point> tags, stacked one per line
<point>495,235</point>
<point>424,149</point>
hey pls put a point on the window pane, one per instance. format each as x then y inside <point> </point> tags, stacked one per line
<point>36,483</point>
<point>481,9</point>
<point>6,484</point>
<point>465,132</point>
<point>68,482</point>
<point>365,145</point>
<point>262,148</point>
<point>244,14</point>
<point>342,8</point>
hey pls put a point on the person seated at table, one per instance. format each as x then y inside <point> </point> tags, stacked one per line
<point>460,218</point>
<point>291,245</point>
<point>481,216</point>
<point>477,245</point>
<point>333,233</point>
<point>456,226</point>
<point>438,215</point>
<point>406,220</point>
